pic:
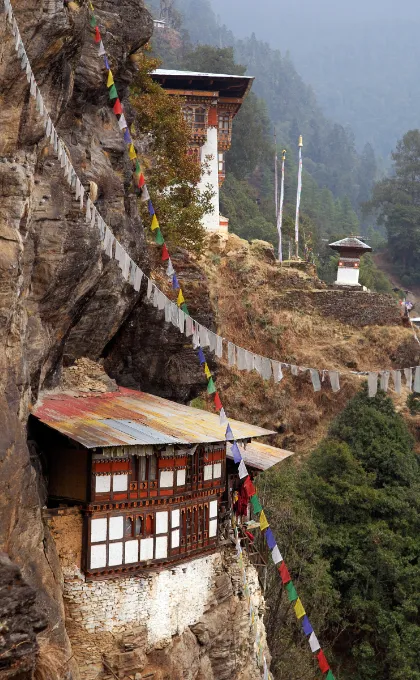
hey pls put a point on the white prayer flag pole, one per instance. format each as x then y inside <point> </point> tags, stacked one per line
<point>299,191</point>
<point>276,179</point>
<point>280,213</point>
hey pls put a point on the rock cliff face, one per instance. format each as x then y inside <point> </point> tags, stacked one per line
<point>59,298</point>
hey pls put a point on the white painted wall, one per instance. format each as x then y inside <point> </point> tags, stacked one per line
<point>166,602</point>
<point>211,176</point>
<point>348,276</point>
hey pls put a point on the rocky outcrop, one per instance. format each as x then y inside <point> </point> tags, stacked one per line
<point>60,298</point>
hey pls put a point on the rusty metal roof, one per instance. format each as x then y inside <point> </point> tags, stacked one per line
<point>127,417</point>
<point>260,456</point>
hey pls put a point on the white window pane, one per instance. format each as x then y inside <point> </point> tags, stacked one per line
<point>161,549</point>
<point>119,482</point>
<point>180,477</point>
<point>175,538</point>
<point>131,552</point>
<point>161,522</point>
<point>98,556</point>
<point>115,554</point>
<point>103,483</point>
<point>98,530</point>
<point>166,478</point>
<point>208,472</point>
<point>146,549</point>
<point>213,509</point>
<point>116,527</point>
<point>217,470</point>
<point>175,518</point>
<point>212,528</point>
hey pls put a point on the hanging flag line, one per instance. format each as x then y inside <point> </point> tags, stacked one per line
<point>133,274</point>
<point>258,642</point>
<point>201,338</point>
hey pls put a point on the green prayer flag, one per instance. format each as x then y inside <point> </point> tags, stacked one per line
<point>138,169</point>
<point>159,238</point>
<point>330,676</point>
<point>185,308</point>
<point>256,505</point>
<point>93,21</point>
<point>113,94</point>
<point>211,387</point>
<point>291,591</point>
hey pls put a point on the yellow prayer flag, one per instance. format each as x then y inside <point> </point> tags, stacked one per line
<point>110,80</point>
<point>263,521</point>
<point>207,371</point>
<point>132,152</point>
<point>155,223</point>
<point>299,610</point>
<point>180,301</point>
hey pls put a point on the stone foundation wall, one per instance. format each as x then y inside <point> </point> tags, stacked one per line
<point>188,621</point>
<point>352,307</point>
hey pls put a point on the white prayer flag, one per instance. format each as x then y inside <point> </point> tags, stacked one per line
<point>316,383</point>
<point>240,358</point>
<point>257,363</point>
<point>137,278</point>
<point>212,340</point>
<point>384,380</point>
<point>313,642</point>
<point>417,380</point>
<point>33,86</point>
<point>204,338</point>
<point>170,271</point>
<point>145,196</point>
<point>122,123</point>
<point>181,320</point>
<point>231,354</point>
<point>168,311</point>
<point>161,300</point>
<point>88,210</point>
<point>396,377</point>
<point>266,371</point>
<point>276,555</point>
<point>189,326</point>
<point>126,263</point>
<point>242,471</point>
<point>149,289</point>
<point>102,50</point>
<point>372,384</point>
<point>277,372</point>
<point>334,377</point>
<point>249,360</point>
<point>294,370</point>
<point>222,417</point>
<point>219,346</point>
<point>408,373</point>
<point>93,216</point>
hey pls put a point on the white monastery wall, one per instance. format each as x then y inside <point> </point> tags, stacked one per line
<point>209,155</point>
<point>166,602</point>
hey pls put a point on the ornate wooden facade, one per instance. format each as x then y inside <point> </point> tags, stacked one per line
<point>145,505</point>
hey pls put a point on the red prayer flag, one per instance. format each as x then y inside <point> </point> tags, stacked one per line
<point>97,35</point>
<point>249,487</point>
<point>284,573</point>
<point>142,181</point>
<point>117,108</point>
<point>165,253</point>
<point>322,662</point>
<point>217,402</point>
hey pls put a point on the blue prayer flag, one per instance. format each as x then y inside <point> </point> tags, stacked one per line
<point>269,537</point>
<point>306,625</point>
<point>127,136</point>
<point>106,62</point>
<point>236,453</point>
<point>229,434</point>
<point>151,208</point>
<point>175,283</point>
<point>201,356</point>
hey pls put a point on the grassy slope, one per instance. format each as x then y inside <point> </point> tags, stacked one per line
<point>246,290</point>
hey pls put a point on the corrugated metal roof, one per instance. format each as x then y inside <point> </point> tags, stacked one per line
<point>261,456</point>
<point>128,417</point>
<point>172,72</point>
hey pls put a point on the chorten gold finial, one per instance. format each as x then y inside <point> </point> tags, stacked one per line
<point>300,140</point>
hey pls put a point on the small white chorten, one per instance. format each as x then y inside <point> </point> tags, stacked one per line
<point>351,250</point>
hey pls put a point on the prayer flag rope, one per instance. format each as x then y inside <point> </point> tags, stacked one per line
<point>177,314</point>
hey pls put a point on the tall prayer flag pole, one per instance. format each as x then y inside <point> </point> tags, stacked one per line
<point>276,178</point>
<point>280,213</point>
<point>299,191</point>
